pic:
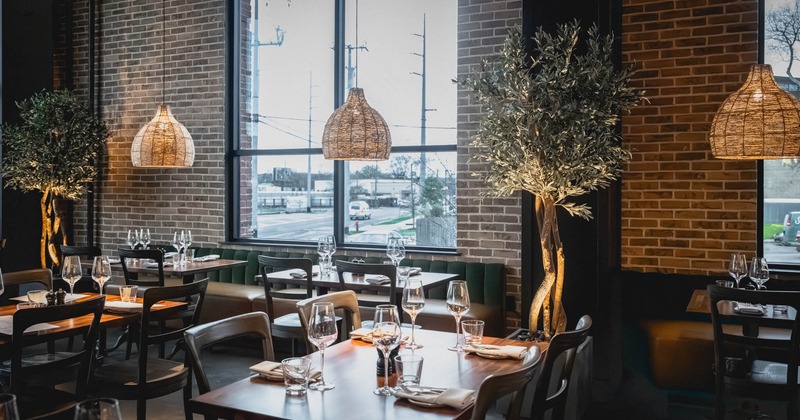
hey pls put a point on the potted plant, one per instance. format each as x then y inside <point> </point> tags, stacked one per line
<point>549,127</point>
<point>54,150</point>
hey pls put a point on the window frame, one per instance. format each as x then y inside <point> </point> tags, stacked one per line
<point>234,152</point>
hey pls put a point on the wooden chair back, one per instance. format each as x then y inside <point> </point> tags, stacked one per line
<point>272,286</point>
<point>375,269</point>
<point>514,383</point>
<point>345,300</point>
<point>131,278</point>
<point>42,276</point>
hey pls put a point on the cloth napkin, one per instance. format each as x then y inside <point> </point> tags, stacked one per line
<point>363,334</point>
<point>301,274</point>
<point>154,264</point>
<point>7,326</point>
<point>210,257</point>
<point>748,308</point>
<point>414,271</point>
<point>377,279</point>
<point>457,398</point>
<point>273,371</point>
<point>509,352</point>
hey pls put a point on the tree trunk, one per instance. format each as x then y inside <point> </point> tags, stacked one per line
<point>44,205</point>
<point>53,232</point>
<point>547,299</point>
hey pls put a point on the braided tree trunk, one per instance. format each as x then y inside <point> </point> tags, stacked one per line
<point>52,232</point>
<point>547,299</point>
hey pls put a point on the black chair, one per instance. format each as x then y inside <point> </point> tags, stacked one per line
<point>150,377</point>
<point>131,278</point>
<point>86,283</point>
<point>288,325</point>
<point>14,279</point>
<point>32,376</point>
<point>565,343</point>
<point>360,269</point>
<point>514,383</point>
<point>253,324</point>
<point>755,356</point>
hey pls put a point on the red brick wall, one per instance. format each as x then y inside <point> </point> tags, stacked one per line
<point>684,211</point>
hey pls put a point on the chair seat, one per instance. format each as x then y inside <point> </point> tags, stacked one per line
<point>40,359</point>
<point>365,299</point>
<point>118,379</point>
<point>45,402</point>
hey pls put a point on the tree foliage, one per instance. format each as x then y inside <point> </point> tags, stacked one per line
<point>549,120</point>
<point>56,147</point>
<point>782,28</point>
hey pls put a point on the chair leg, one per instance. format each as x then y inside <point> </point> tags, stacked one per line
<point>141,408</point>
<point>187,395</point>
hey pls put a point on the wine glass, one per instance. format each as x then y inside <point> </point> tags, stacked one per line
<point>326,246</point>
<point>146,238</point>
<point>72,271</point>
<point>98,409</point>
<point>2,284</point>
<point>101,271</point>
<point>395,250</point>
<point>386,334</point>
<point>322,332</point>
<point>131,239</point>
<point>176,243</point>
<point>759,272</point>
<point>737,267</point>
<point>139,240</point>
<point>413,302</point>
<point>457,305</point>
<point>188,239</point>
<point>8,407</point>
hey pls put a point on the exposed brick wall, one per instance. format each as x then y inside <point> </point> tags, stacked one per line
<point>684,211</point>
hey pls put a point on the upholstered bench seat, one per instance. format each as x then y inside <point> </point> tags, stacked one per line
<point>435,317</point>
<point>224,300</point>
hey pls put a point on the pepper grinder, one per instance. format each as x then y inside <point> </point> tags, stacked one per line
<point>61,297</point>
<point>380,363</point>
<point>51,297</point>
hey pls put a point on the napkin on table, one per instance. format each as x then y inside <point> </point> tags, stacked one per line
<point>377,279</point>
<point>273,371</point>
<point>301,274</point>
<point>457,398</point>
<point>363,334</point>
<point>748,308</point>
<point>155,264</point>
<point>414,271</point>
<point>510,352</point>
<point>210,257</point>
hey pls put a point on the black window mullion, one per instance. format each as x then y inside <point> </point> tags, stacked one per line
<point>338,100</point>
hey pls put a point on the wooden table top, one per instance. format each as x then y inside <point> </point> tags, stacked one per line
<point>351,366</point>
<point>700,303</point>
<point>179,270</point>
<point>331,281</point>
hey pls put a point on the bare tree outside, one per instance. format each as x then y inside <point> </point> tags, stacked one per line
<point>782,30</point>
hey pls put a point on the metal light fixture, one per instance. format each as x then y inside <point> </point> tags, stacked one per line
<point>163,142</point>
<point>758,121</point>
<point>355,131</point>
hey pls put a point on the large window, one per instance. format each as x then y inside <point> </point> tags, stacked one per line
<point>297,60</point>
<point>781,178</point>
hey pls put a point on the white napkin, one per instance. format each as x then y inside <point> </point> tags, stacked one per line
<point>457,398</point>
<point>155,264</point>
<point>273,371</point>
<point>377,279</point>
<point>210,257</point>
<point>120,306</point>
<point>301,274</point>
<point>414,271</point>
<point>7,325</point>
<point>363,334</point>
<point>748,308</point>
<point>510,352</point>
<point>113,260</point>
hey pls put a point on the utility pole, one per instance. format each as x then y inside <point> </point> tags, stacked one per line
<point>254,99</point>
<point>423,118</point>
<point>308,175</point>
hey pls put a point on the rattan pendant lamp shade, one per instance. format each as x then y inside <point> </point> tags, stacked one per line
<point>759,121</point>
<point>163,142</point>
<point>355,131</point>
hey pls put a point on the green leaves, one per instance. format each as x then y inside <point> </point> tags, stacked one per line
<point>56,147</point>
<point>549,121</point>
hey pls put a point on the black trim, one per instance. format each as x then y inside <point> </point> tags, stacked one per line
<point>760,163</point>
<point>232,79</point>
<point>341,247</point>
<point>318,150</point>
<point>338,99</point>
<point>92,93</point>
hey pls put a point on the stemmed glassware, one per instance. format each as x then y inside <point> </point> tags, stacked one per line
<point>326,246</point>
<point>395,250</point>
<point>386,334</point>
<point>72,271</point>
<point>145,238</point>
<point>457,305</point>
<point>413,302</point>
<point>759,272</point>
<point>98,408</point>
<point>187,240</point>
<point>2,284</point>
<point>132,239</point>
<point>737,267</point>
<point>8,407</point>
<point>322,332</point>
<point>101,271</point>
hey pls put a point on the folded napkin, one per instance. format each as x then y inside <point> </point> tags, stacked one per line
<point>748,308</point>
<point>508,352</point>
<point>363,334</point>
<point>414,271</point>
<point>154,264</point>
<point>120,306</point>
<point>7,326</point>
<point>113,260</point>
<point>377,279</point>
<point>301,274</point>
<point>210,257</point>
<point>273,371</point>
<point>457,398</point>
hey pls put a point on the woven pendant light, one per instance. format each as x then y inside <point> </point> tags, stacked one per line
<point>759,121</point>
<point>355,131</point>
<point>163,142</point>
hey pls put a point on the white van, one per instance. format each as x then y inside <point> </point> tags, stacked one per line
<point>359,210</point>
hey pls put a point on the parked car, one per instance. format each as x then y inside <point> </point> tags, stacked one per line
<point>359,210</point>
<point>791,226</point>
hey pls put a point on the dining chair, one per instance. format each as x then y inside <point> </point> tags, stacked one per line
<point>361,269</point>
<point>32,376</point>
<point>157,257</point>
<point>557,371</point>
<point>199,337</point>
<point>149,377</point>
<point>514,383</point>
<point>36,276</point>
<point>86,283</point>
<point>755,356</point>
<point>287,325</point>
<point>345,300</point>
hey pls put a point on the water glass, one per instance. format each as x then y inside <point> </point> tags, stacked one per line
<point>8,407</point>
<point>127,293</point>
<point>473,332</point>
<point>190,255</point>
<point>295,375</point>
<point>98,409</point>
<point>38,297</point>
<point>409,369</point>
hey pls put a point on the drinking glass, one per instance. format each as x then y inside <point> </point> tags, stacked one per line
<point>737,267</point>
<point>72,271</point>
<point>176,243</point>
<point>139,240</point>
<point>98,409</point>
<point>386,334</point>
<point>8,407</point>
<point>395,250</point>
<point>188,241</point>
<point>146,238</point>
<point>457,305</point>
<point>326,246</point>
<point>413,302</point>
<point>759,272</point>
<point>101,271</point>
<point>131,239</point>
<point>2,285</point>
<point>322,332</point>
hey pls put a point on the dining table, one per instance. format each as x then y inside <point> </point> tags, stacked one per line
<point>185,271</point>
<point>351,366</point>
<point>325,282</point>
<point>701,304</point>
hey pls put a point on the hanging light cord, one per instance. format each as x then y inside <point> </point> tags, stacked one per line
<point>357,47</point>
<point>163,42</point>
